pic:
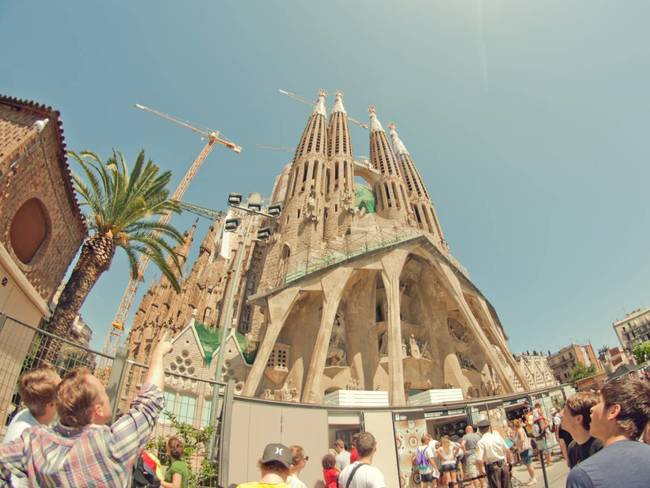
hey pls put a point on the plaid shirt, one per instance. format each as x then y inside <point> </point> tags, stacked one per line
<point>91,456</point>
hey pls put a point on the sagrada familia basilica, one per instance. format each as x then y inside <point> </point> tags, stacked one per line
<point>355,289</point>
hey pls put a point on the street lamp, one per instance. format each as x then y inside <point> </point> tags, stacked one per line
<point>254,206</point>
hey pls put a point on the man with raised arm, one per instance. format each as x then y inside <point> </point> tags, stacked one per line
<point>80,449</point>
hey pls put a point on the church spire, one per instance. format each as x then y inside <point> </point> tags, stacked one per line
<point>398,145</point>
<point>391,194</point>
<point>375,125</point>
<point>338,104</point>
<point>425,214</point>
<point>319,106</point>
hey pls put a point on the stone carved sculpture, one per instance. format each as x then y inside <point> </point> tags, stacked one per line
<point>311,207</point>
<point>383,344</point>
<point>336,355</point>
<point>413,346</point>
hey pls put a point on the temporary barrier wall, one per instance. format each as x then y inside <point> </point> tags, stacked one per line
<point>255,424</point>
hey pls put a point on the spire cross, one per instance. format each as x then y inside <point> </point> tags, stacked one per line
<point>322,93</point>
<point>372,110</point>
<point>339,94</point>
<point>392,126</point>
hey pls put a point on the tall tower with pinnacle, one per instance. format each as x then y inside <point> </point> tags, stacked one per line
<point>155,310</point>
<point>339,177</point>
<point>302,221</point>
<point>354,289</point>
<point>392,202</point>
<point>425,213</point>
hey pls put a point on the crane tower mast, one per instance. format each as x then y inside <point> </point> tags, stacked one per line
<point>114,336</point>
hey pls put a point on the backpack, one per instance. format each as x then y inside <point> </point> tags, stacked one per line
<point>421,459</point>
<point>143,475</point>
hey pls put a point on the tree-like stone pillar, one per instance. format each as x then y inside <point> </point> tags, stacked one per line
<point>279,306</point>
<point>452,284</point>
<point>333,285</point>
<point>392,268</point>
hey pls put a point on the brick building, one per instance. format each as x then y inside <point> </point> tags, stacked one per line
<point>563,361</point>
<point>612,358</point>
<point>41,226</point>
<point>633,329</point>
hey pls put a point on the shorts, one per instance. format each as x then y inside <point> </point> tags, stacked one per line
<point>527,456</point>
<point>470,468</point>
<point>448,468</point>
<point>427,477</point>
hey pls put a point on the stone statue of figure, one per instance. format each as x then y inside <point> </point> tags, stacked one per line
<point>415,349</point>
<point>404,349</point>
<point>336,355</point>
<point>426,354</point>
<point>383,344</point>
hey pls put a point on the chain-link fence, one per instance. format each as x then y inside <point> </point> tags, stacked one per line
<point>24,347</point>
<point>191,404</point>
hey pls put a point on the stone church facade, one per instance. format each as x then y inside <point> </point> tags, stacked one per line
<point>355,289</point>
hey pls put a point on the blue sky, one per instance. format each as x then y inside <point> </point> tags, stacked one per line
<point>527,120</point>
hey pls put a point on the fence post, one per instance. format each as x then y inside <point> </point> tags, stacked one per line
<point>225,431</point>
<point>116,379</point>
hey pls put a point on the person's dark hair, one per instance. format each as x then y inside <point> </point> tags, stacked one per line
<point>329,461</point>
<point>37,388</point>
<point>580,404</point>
<point>366,444</point>
<point>75,397</point>
<point>274,467</point>
<point>632,395</point>
<point>355,439</point>
<point>175,448</point>
<point>484,428</point>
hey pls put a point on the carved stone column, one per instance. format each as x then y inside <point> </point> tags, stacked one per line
<point>333,285</point>
<point>278,307</point>
<point>392,268</point>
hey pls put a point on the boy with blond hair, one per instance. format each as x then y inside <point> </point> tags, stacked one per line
<point>37,389</point>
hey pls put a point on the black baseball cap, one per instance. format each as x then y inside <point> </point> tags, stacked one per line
<point>277,452</point>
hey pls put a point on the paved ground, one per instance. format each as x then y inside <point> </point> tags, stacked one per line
<point>556,473</point>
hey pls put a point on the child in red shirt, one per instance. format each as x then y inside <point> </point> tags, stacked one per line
<point>330,472</point>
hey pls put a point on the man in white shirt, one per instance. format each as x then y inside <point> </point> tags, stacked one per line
<point>361,473</point>
<point>493,457</point>
<point>342,456</point>
<point>37,389</point>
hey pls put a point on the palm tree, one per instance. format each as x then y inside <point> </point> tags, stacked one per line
<point>121,206</point>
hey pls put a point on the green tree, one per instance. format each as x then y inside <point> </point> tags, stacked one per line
<point>642,352</point>
<point>580,371</point>
<point>122,210</point>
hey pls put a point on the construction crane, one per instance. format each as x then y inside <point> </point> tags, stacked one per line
<point>309,102</point>
<point>207,213</point>
<point>213,137</point>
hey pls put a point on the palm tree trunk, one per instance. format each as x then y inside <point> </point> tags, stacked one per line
<point>96,256</point>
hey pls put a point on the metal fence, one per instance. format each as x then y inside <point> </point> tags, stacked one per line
<point>24,347</point>
<point>191,404</point>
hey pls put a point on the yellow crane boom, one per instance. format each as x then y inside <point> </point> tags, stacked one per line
<point>114,336</point>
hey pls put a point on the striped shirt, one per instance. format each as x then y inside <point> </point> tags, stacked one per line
<point>90,456</point>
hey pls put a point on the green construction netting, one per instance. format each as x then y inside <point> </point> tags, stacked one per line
<point>210,338</point>
<point>365,197</point>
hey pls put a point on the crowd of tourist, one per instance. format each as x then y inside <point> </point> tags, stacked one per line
<point>604,438</point>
